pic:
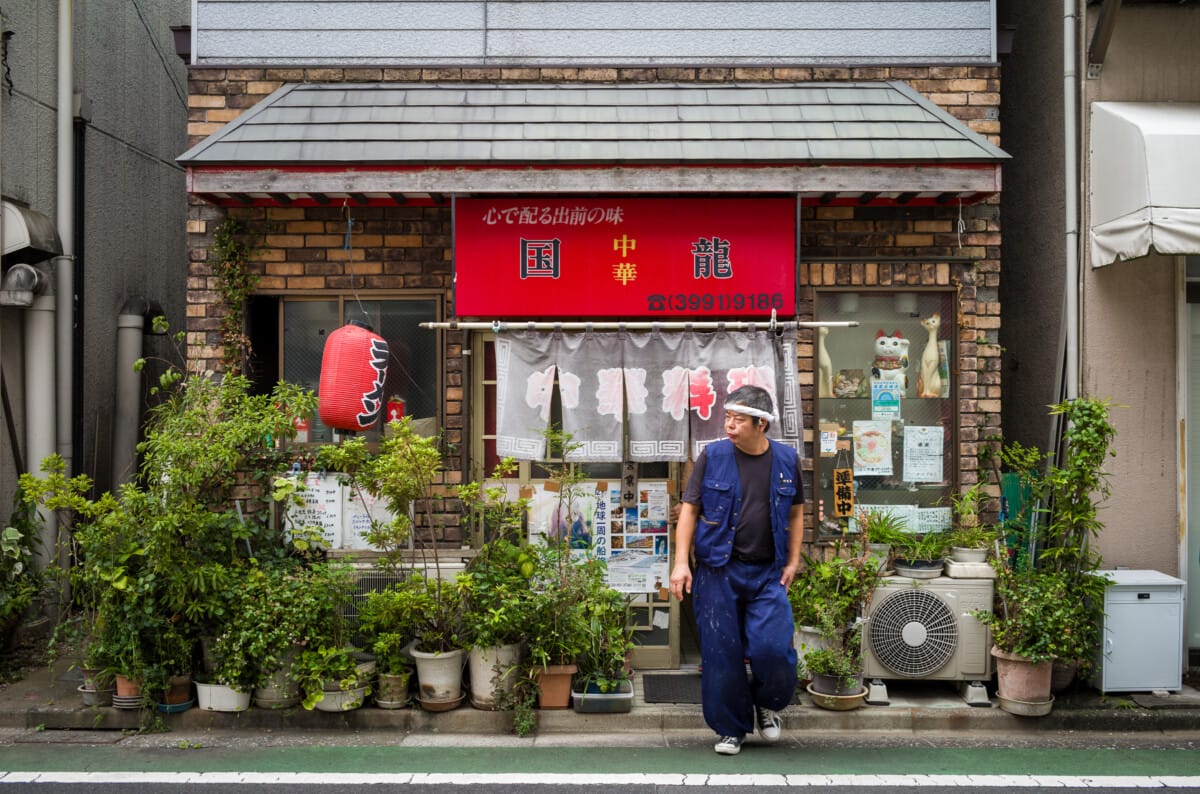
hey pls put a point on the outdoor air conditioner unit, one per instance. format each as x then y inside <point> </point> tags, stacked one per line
<point>922,629</point>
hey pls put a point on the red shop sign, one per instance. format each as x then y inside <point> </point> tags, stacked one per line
<point>652,258</point>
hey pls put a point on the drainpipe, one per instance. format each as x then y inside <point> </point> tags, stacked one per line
<point>131,324</point>
<point>64,266</point>
<point>39,412</point>
<point>1071,286</point>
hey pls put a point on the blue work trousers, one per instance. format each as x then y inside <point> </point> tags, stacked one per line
<point>742,612</point>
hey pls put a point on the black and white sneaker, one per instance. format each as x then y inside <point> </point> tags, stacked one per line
<point>729,745</point>
<point>770,726</point>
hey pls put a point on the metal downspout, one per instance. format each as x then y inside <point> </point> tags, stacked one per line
<point>64,266</point>
<point>39,397</point>
<point>1071,281</point>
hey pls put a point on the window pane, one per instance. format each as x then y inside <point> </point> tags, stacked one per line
<point>413,364</point>
<point>898,447</point>
<point>306,326</point>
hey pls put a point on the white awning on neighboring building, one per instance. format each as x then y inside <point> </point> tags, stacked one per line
<point>1144,180</point>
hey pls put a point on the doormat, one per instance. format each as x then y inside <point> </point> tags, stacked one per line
<point>671,687</point>
<point>677,688</point>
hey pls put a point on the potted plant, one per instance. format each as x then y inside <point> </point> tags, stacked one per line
<point>917,555</point>
<point>403,475</point>
<point>969,540</point>
<point>235,673</point>
<point>971,544</point>
<point>20,582</point>
<point>559,625</point>
<point>603,681</point>
<point>169,678</point>
<point>330,678</point>
<point>428,612</point>
<point>169,548</point>
<point>280,611</point>
<point>495,589</point>
<point>827,596</point>
<point>394,672</point>
<point>495,586</point>
<point>837,668</point>
<point>1048,591</point>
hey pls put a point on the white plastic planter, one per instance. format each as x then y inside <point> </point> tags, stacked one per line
<point>439,676</point>
<point>218,697</point>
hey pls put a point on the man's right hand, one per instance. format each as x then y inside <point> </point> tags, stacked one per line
<point>681,580</point>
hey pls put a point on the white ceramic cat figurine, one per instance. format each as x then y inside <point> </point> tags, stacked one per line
<point>929,379</point>
<point>824,365</point>
<point>891,359</point>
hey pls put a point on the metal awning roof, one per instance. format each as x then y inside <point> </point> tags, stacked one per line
<point>29,236</point>
<point>379,142</point>
<point>1143,190</point>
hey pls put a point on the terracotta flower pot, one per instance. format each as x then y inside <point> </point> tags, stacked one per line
<point>1018,679</point>
<point>128,687</point>
<point>179,690</point>
<point>554,686</point>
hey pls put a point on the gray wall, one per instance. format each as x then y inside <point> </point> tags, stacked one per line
<point>134,91</point>
<point>1128,338</point>
<point>1032,207</point>
<point>1129,310</point>
<point>615,32</point>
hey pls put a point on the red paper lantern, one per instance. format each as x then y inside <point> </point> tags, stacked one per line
<point>353,371</point>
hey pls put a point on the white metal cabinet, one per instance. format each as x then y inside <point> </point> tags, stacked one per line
<point>1142,643</point>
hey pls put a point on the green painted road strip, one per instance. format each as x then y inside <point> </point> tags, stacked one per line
<point>892,782</point>
<point>698,759</point>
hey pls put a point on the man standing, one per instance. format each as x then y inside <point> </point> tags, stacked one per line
<point>742,515</point>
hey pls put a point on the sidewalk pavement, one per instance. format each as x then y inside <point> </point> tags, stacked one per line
<point>48,700</point>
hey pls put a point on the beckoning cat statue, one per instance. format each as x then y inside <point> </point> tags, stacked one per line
<point>891,359</point>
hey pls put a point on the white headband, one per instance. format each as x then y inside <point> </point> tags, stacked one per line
<point>748,411</point>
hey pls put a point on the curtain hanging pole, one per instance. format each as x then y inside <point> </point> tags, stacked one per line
<point>739,325</point>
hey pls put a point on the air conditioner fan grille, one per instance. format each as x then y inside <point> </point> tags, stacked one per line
<point>913,633</point>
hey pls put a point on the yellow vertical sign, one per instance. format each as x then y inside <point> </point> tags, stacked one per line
<point>843,493</point>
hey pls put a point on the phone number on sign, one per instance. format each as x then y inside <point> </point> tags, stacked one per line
<point>680,302</point>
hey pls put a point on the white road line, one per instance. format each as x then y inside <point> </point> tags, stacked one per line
<point>601,779</point>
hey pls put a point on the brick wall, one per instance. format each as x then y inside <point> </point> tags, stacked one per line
<point>409,247</point>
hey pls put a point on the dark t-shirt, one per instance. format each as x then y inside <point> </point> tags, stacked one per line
<point>752,535</point>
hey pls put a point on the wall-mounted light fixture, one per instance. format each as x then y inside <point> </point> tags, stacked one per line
<point>906,303</point>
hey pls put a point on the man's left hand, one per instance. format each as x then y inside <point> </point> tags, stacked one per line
<point>789,573</point>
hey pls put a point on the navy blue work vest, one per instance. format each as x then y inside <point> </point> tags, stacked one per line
<point>721,502</point>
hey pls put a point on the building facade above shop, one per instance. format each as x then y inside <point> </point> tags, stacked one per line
<point>615,32</point>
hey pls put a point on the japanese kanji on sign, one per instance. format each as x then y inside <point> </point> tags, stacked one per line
<point>843,493</point>
<point>651,258</point>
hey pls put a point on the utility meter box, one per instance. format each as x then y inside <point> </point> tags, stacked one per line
<point>1141,647</point>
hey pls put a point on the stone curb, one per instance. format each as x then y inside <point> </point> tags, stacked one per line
<point>45,702</point>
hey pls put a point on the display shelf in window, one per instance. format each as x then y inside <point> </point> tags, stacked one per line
<point>885,407</point>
